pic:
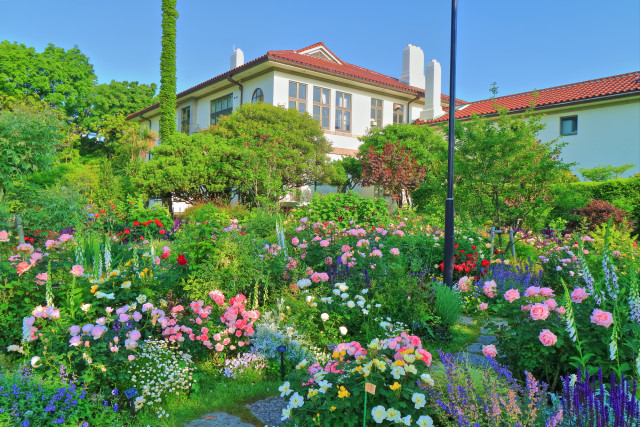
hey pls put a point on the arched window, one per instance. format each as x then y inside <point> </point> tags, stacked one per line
<point>258,96</point>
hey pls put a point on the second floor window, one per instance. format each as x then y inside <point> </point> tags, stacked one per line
<point>321,106</point>
<point>343,112</point>
<point>376,112</point>
<point>298,96</point>
<point>185,120</point>
<point>258,96</point>
<point>398,114</point>
<point>221,107</point>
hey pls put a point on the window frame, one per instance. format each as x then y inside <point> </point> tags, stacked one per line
<point>574,119</point>
<point>213,117</point>
<point>257,96</point>
<point>377,110</point>
<point>185,124</point>
<point>296,99</point>
<point>398,118</point>
<point>319,117</point>
<point>341,111</point>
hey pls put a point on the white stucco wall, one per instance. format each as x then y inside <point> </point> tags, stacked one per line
<point>608,134</point>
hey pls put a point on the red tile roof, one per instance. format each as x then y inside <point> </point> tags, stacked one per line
<point>621,84</point>
<point>296,58</point>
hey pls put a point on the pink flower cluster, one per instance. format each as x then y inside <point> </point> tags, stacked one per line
<point>405,342</point>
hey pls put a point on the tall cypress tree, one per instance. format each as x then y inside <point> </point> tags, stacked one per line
<point>168,70</point>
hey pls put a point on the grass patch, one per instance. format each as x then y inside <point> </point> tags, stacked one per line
<point>461,336</point>
<point>213,396</point>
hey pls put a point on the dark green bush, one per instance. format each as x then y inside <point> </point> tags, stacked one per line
<point>447,305</point>
<point>342,208</point>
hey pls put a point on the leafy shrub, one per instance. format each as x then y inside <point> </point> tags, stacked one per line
<point>344,209</point>
<point>212,212</point>
<point>244,368</point>
<point>447,305</point>
<point>260,224</point>
<point>598,212</point>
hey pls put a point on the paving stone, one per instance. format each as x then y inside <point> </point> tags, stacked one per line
<point>476,347</point>
<point>473,359</point>
<point>485,330</point>
<point>218,419</point>
<point>464,320</point>
<point>486,339</point>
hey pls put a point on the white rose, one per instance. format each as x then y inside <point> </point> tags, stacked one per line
<point>35,361</point>
<point>324,317</point>
<point>343,330</point>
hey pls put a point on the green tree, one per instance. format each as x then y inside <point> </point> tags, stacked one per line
<point>168,70</point>
<point>504,172</point>
<point>347,172</point>
<point>29,137</point>
<point>121,98</point>
<point>284,150</point>
<point>199,168</point>
<point>427,146</point>
<point>62,78</point>
<point>605,173</point>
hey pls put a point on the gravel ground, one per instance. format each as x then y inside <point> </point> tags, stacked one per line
<point>269,411</point>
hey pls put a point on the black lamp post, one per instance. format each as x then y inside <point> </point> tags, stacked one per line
<point>449,207</point>
<point>281,349</point>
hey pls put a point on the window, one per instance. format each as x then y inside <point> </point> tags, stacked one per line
<point>398,114</point>
<point>343,112</point>
<point>298,96</point>
<point>185,120</point>
<point>568,125</point>
<point>258,96</point>
<point>376,112</point>
<point>321,106</point>
<point>221,107</point>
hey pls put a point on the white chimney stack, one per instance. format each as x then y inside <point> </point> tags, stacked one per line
<point>237,58</point>
<point>432,92</point>
<point>413,66</point>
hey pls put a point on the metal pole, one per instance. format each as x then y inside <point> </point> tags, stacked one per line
<point>449,207</point>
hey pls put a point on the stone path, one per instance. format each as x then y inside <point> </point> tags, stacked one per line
<point>473,352</point>
<point>268,411</point>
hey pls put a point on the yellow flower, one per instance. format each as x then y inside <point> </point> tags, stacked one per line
<point>399,363</point>
<point>333,408</point>
<point>395,386</point>
<point>94,288</point>
<point>343,392</point>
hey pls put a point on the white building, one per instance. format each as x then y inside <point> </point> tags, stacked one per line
<point>598,119</point>
<point>346,99</point>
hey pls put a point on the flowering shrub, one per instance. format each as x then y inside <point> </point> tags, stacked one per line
<point>245,368</point>
<point>158,372</point>
<point>27,401</point>
<point>335,393</point>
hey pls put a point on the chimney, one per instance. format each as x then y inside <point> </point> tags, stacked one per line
<point>432,92</point>
<point>237,58</point>
<point>413,66</point>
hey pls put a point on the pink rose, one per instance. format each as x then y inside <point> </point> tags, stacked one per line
<point>123,318</point>
<point>65,237</point>
<point>346,248</point>
<point>77,270</point>
<point>539,311</point>
<point>131,357</point>
<point>51,244</point>
<point>490,350</point>
<point>324,243</point>
<point>578,295</point>
<point>551,303</point>
<point>217,296</point>
<point>75,341</point>
<point>489,288</point>
<point>463,284</point>
<point>511,295</point>
<point>4,236</point>
<point>137,316</point>
<point>483,306</point>
<point>219,347</point>
<point>295,241</point>
<point>601,318</point>
<point>532,291</point>
<point>74,330</point>
<point>561,310</point>
<point>426,356</point>
<point>324,277</point>
<point>547,338</point>
<point>41,278</point>
<point>525,307</point>
<point>546,292</point>
<point>36,256</point>
<point>98,331</point>
<point>22,268</point>
<point>394,251</point>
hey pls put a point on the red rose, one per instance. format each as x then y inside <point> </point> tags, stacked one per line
<point>473,247</point>
<point>126,231</point>
<point>103,211</point>
<point>113,207</point>
<point>485,262</point>
<point>131,202</point>
<point>97,215</point>
<point>136,223</point>
<point>161,231</point>
<point>182,260</point>
<point>164,255</point>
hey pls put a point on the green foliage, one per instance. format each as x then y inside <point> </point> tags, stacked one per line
<point>167,96</point>
<point>347,171</point>
<point>280,149</point>
<point>447,305</point>
<point>61,78</point>
<point>605,173</point>
<point>29,136</point>
<point>211,212</point>
<point>344,208</point>
<point>199,168</point>
<point>504,173</point>
<point>121,98</point>
<point>260,223</point>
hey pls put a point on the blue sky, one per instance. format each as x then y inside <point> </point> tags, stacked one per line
<point>521,45</point>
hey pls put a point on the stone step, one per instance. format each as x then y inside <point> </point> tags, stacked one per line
<point>476,347</point>
<point>473,359</point>
<point>486,339</point>
<point>464,320</point>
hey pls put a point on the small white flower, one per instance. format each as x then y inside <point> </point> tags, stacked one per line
<point>419,400</point>
<point>285,389</point>
<point>343,330</point>
<point>424,421</point>
<point>344,295</point>
<point>351,304</point>
<point>35,361</point>
<point>85,307</point>
<point>324,317</point>
<point>364,291</point>
<point>296,401</point>
<point>379,414</point>
<point>336,291</point>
